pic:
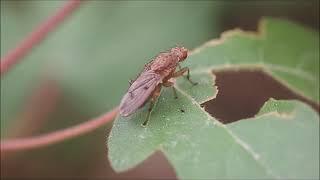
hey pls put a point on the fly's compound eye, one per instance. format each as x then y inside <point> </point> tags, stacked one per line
<point>183,53</point>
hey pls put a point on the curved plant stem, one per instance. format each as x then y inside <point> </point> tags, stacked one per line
<point>37,109</point>
<point>35,37</point>
<point>58,136</point>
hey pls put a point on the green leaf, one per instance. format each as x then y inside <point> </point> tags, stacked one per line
<point>288,52</point>
<point>282,141</point>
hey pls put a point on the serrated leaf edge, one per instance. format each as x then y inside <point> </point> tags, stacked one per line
<point>236,139</point>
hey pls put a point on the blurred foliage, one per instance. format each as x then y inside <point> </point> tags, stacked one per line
<point>99,49</point>
<point>92,56</point>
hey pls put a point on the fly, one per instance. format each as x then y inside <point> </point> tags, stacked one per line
<point>155,74</point>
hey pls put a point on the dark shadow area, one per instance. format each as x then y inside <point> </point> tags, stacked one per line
<point>247,14</point>
<point>243,92</point>
<point>154,167</point>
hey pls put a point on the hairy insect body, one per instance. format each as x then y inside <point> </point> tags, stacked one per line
<point>164,62</point>
<point>149,82</point>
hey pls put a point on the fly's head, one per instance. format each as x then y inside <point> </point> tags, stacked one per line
<point>181,52</point>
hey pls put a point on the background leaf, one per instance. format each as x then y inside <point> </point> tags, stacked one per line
<point>290,53</point>
<point>280,142</point>
<point>98,49</point>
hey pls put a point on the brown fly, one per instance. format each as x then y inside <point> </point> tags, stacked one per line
<point>155,74</point>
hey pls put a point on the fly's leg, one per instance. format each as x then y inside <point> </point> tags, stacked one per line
<point>181,72</point>
<point>174,92</point>
<point>154,97</point>
<point>170,84</point>
<point>148,115</point>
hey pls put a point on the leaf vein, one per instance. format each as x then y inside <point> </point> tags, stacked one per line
<point>239,141</point>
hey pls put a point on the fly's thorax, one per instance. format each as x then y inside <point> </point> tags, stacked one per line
<point>165,62</point>
<point>167,75</point>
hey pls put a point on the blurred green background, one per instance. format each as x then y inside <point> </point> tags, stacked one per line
<point>90,59</point>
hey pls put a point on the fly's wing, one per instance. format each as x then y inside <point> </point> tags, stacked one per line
<point>139,92</point>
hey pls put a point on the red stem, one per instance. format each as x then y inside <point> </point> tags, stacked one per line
<point>40,33</point>
<point>15,55</point>
<point>37,109</point>
<point>57,136</point>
